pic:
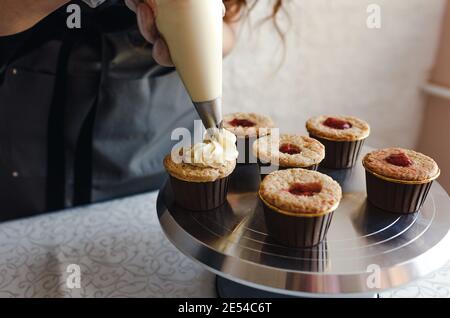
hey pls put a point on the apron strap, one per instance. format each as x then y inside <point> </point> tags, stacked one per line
<point>108,18</point>
<point>83,161</point>
<point>56,167</point>
<point>112,16</point>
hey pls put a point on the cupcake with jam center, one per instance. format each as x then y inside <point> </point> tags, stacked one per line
<point>342,136</point>
<point>299,205</point>
<point>199,175</point>
<point>398,180</point>
<point>287,151</point>
<point>247,127</point>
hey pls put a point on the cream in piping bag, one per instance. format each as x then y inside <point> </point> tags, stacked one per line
<point>193,30</point>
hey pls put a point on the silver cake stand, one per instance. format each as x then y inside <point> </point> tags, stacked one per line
<point>367,250</point>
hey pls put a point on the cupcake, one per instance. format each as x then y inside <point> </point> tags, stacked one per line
<point>299,206</point>
<point>287,151</point>
<point>398,180</point>
<point>199,175</point>
<point>247,127</point>
<point>342,136</point>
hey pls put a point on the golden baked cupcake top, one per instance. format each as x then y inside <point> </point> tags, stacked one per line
<point>300,192</point>
<point>207,161</point>
<point>401,164</point>
<point>338,128</point>
<point>248,124</point>
<point>191,173</point>
<point>289,151</point>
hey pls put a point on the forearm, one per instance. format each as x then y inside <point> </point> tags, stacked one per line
<point>19,15</point>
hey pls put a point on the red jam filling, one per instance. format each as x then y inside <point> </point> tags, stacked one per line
<point>290,149</point>
<point>306,189</point>
<point>337,123</point>
<point>242,123</point>
<point>400,159</point>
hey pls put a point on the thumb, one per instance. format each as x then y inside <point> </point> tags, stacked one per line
<point>132,4</point>
<point>224,10</point>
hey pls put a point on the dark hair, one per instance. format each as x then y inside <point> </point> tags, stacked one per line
<point>235,8</point>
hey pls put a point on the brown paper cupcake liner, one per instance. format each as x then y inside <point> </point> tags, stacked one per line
<point>396,197</point>
<point>199,196</point>
<point>276,168</point>
<point>296,231</point>
<point>245,149</point>
<point>249,173</point>
<point>340,154</point>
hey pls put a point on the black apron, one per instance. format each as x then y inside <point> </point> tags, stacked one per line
<point>86,115</point>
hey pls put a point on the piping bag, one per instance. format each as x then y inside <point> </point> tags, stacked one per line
<point>193,30</point>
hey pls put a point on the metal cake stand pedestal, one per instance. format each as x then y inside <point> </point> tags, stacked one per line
<point>367,250</point>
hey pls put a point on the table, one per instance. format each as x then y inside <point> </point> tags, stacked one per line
<point>121,252</point>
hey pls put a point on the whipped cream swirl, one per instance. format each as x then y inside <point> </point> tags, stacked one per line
<point>218,147</point>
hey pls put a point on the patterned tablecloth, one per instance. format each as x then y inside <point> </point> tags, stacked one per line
<point>121,252</point>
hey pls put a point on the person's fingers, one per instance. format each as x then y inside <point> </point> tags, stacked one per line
<point>152,5</point>
<point>224,10</point>
<point>153,30</point>
<point>146,22</point>
<point>147,26</point>
<point>161,53</point>
<point>132,4</point>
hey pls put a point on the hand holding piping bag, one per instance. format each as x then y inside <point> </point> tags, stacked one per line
<point>146,11</point>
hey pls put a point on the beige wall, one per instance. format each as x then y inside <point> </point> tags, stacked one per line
<point>441,71</point>
<point>335,64</point>
<point>435,139</point>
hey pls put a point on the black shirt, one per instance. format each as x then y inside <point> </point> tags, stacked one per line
<point>85,114</point>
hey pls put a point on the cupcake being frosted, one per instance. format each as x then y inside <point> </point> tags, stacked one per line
<point>199,174</point>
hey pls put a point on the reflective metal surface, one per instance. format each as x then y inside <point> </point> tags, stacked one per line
<point>362,242</point>
<point>210,113</point>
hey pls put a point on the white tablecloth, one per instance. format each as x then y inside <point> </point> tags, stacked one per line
<point>121,252</point>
